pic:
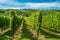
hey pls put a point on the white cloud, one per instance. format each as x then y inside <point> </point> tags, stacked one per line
<point>11,4</point>
<point>42,5</point>
<point>5,1</point>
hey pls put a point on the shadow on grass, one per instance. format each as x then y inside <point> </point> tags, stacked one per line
<point>48,35</point>
<point>13,29</point>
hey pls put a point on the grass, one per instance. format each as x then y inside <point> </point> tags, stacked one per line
<point>53,39</point>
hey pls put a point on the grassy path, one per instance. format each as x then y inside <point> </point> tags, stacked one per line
<point>16,32</point>
<point>35,35</point>
<point>2,31</point>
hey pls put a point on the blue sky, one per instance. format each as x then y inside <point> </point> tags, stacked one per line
<point>30,4</point>
<point>36,1</point>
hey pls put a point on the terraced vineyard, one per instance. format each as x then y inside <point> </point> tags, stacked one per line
<point>28,24</point>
